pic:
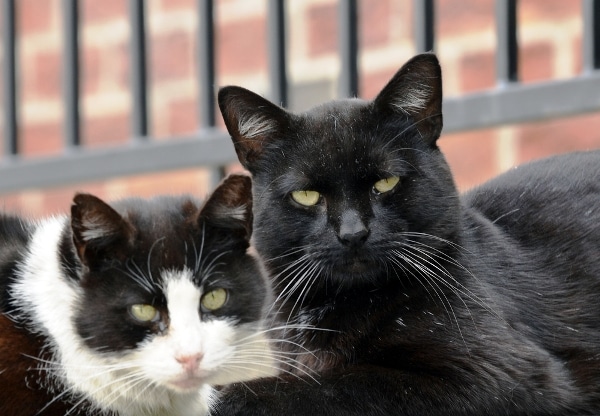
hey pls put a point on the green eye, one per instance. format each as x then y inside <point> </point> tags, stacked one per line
<point>215,299</point>
<point>144,313</point>
<point>386,185</point>
<point>306,198</point>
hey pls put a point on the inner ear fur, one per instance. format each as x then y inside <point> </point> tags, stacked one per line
<point>230,206</point>
<point>416,91</point>
<point>251,120</point>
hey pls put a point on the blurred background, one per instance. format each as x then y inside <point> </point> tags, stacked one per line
<point>550,40</point>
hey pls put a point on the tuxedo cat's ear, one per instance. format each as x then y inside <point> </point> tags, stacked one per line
<point>416,91</point>
<point>251,121</point>
<point>95,226</point>
<point>230,206</point>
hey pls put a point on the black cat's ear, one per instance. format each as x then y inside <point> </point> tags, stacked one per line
<point>416,91</point>
<point>96,226</point>
<point>230,206</point>
<point>251,121</point>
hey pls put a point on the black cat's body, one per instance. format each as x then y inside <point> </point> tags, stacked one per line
<point>131,309</point>
<point>422,302</point>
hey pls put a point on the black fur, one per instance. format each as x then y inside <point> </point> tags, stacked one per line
<point>103,250</point>
<point>484,303</point>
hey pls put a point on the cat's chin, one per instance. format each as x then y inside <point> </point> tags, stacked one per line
<point>187,384</point>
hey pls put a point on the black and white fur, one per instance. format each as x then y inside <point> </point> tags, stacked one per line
<point>68,342</point>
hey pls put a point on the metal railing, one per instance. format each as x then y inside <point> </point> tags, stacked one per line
<point>510,102</point>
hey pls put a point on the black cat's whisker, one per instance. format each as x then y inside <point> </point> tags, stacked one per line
<point>308,279</point>
<point>431,278</point>
<point>296,281</point>
<point>433,252</point>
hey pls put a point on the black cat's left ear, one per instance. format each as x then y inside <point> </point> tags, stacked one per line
<point>252,121</point>
<point>230,206</point>
<point>96,226</point>
<point>416,91</point>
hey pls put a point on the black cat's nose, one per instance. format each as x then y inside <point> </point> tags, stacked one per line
<point>353,231</point>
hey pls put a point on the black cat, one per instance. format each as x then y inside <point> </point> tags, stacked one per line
<point>424,302</point>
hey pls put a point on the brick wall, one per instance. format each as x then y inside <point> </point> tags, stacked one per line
<point>550,37</point>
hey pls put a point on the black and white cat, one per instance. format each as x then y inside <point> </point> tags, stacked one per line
<point>428,302</point>
<point>133,308</point>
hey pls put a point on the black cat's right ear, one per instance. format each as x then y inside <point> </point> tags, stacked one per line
<point>251,120</point>
<point>229,207</point>
<point>416,91</point>
<point>96,226</point>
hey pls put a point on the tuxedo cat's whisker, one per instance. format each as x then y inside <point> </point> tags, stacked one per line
<point>137,275</point>
<point>208,270</point>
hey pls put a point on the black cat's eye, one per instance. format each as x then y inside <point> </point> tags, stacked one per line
<point>386,185</point>
<point>306,198</point>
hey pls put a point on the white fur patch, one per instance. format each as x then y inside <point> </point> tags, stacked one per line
<point>255,125</point>
<point>413,100</point>
<point>237,213</point>
<point>149,380</point>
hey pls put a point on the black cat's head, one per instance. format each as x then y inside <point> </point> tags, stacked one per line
<point>125,252</point>
<point>345,190</point>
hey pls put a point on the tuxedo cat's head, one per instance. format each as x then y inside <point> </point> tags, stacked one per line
<point>165,300</point>
<point>342,189</point>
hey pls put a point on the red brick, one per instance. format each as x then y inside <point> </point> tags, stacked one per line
<point>548,9</point>
<point>34,16</point>
<point>90,69</point>
<point>94,11</point>
<point>47,74</point>
<point>241,46</point>
<point>322,29</point>
<point>177,182</point>
<point>374,23</point>
<point>371,84</point>
<point>463,16</point>
<point>477,71</point>
<point>471,156</point>
<point>171,56</point>
<point>183,117</point>
<point>106,131</point>
<point>178,4</point>
<point>536,62</point>
<point>559,136</point>
<point>41,139</point>
<point>58,200</point>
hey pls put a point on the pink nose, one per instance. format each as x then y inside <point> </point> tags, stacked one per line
<point>190,362</point>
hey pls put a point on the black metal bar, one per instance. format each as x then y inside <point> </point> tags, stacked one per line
<point>70,73</point>
<point>138,72</point>
<point>9,87</point>
<point>591,33</point>
<point>507,49</point>
<point>277,55</point>
<point>424,25</point>
<point>206,63</point>
<point>348,44</point>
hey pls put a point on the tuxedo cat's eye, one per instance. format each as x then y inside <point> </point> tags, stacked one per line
<point>215,299</point>
<point>386,184</point>
<point>306,198</point>
<point>144,313</point>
